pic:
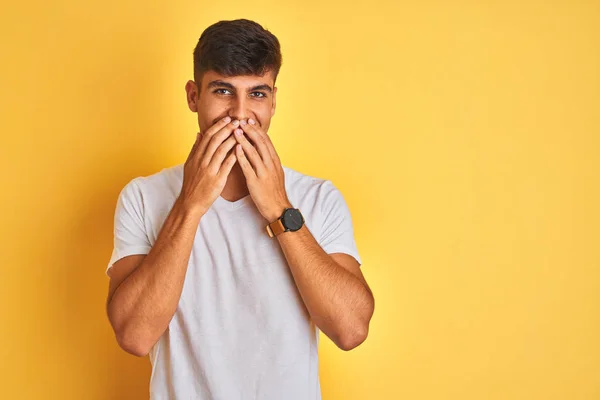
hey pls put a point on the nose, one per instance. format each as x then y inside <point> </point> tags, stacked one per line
<point>238,108</point>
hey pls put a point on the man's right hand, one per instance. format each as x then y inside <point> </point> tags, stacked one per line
<point>207,166</point>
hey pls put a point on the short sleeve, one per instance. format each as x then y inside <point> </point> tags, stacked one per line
<point>337,232</point>
<point>129,229</point>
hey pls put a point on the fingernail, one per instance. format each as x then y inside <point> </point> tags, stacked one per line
<point>251,121</point>
<point>243,122</point>
<point>238,132</point>
<point>236,122</point>
<point>227,119</point>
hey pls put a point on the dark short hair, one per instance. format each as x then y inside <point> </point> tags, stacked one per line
<point>238,47</point>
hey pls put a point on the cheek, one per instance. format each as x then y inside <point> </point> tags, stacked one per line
<point>207,113</point>
<point>205,120</point>
<point>264,119</point>
<point>202,124</point>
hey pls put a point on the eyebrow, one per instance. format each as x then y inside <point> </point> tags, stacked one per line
<point>220,83</point>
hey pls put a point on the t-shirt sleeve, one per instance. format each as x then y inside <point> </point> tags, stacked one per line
<point>337,232</point>
<point>129,229</point>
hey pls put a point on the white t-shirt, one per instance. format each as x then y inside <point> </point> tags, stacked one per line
<point>241,330</point>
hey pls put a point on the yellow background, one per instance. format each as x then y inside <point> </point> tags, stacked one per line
<point>463,135</point>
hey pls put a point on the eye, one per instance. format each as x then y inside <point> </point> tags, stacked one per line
<point>218,91</point>
<point>260,94</point>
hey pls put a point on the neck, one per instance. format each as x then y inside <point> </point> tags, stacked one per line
<point>235,187</point>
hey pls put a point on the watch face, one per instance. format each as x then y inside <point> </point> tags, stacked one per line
<point>292,219</point>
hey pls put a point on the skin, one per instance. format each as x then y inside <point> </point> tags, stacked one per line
<point>239,97</point>
<point>332,286</point>
<point>144,290</point>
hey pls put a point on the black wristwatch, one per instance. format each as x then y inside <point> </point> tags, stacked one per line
<point>291,220</point>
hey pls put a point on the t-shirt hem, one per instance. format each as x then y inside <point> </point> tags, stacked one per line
<point>141,250</point>
<point>343,249</point>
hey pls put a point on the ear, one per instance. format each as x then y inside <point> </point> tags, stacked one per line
<point>192,91</point>
<point>274,101</point>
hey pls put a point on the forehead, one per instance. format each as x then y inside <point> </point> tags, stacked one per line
<point>239,81</point>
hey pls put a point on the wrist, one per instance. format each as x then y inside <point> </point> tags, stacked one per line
<point>276,213</point>
<point>190,208</point>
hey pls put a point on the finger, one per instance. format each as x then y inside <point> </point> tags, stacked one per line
<point>216,140</point>
<point>268,141</point>
<point>211,132</point>
<point>227,165</point>
<point>261,141</point>
<point>244,163</point>
<point>221,153</point>
<point>250,152</point>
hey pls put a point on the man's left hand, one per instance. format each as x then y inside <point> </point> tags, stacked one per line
<point>263,171</point>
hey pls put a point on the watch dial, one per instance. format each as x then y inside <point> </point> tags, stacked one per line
<point>292,219</point>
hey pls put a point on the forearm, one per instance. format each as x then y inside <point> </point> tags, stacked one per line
<point>144,304</point>
<point>339,303</point>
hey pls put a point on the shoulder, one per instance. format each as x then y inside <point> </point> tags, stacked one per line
<point>304,187</point>
<point>150,191</point>
<point>168,178</point>
<point>301,183</point>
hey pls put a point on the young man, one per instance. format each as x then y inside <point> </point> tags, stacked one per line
<point>215,272</point>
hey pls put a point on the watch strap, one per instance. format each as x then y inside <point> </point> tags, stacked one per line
<point>275,228</point>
